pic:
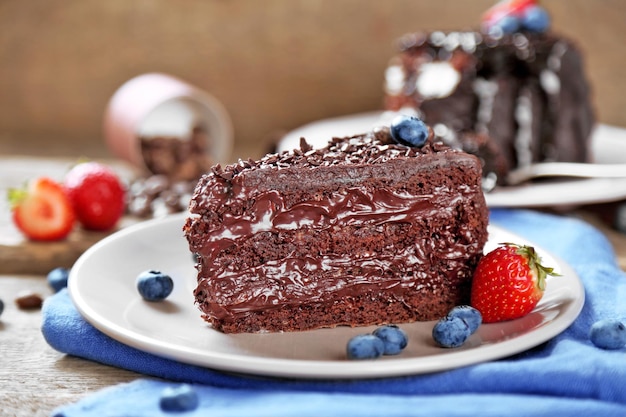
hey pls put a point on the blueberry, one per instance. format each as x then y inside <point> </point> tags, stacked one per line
<point>57,278</point>
<point>535,19</point>
<point>154,285</point>
<point>472,317</point>
<point>1,307</point>
<point>365,346</point>
<point>393,337</point>
<point>450,332</point>
<point>608,334</point>
<point>409,130</point>
<point>180,398</point>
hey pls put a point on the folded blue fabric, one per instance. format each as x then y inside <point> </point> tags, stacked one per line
<point>565,376</point>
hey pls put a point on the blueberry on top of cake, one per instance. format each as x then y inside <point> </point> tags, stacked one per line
<point>364,231</point>
<point>514,93</point>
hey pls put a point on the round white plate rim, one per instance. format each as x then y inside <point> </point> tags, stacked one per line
<point>312,369</point>
<point>540,194</point>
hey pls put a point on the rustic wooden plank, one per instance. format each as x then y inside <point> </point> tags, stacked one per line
<point>18,255</point>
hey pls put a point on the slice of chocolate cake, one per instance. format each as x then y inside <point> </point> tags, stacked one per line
<point>365,231</point>
<point>524,87</point>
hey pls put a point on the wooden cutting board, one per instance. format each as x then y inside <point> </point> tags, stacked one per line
<point>18,255</point>
<point>21,256</point>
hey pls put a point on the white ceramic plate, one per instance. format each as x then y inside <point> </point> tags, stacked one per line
<point>102,286</point>
<point>608,147</point>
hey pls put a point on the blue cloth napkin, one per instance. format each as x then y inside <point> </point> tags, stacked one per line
<point>564,376</point>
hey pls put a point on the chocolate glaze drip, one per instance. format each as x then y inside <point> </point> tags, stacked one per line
<point>352,207</point>
<point>288,281</point>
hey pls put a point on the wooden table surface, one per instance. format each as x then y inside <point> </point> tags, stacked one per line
<point>34,378</point>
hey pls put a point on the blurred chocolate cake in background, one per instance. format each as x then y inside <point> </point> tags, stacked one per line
<point>513,93</point>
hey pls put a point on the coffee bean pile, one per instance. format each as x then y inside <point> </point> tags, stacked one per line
<point>174,167</point>
<point>178,158</point>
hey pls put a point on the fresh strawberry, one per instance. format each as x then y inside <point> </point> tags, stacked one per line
<point>97,195</point>
<point>42,211</point>
<point>508,282</point>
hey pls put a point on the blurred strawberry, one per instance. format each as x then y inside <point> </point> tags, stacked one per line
<point>42,210</point>
<point>97,195</point>
<point>507,8</point>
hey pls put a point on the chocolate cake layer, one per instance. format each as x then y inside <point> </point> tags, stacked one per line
<point>526,91</point>
<point>361,232</point>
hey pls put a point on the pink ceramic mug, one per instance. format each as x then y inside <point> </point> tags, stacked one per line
<point>159,104</point>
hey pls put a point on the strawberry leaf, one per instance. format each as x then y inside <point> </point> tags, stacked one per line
<point>534,263</point>
<point>16,196</point>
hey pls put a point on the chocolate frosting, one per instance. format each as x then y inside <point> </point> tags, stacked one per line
<point>233,204</point>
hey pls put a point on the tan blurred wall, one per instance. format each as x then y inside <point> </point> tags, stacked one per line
<point>275,64</point>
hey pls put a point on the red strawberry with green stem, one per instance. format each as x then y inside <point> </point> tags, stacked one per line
<point>508,282</point>
<point>41,210</point>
